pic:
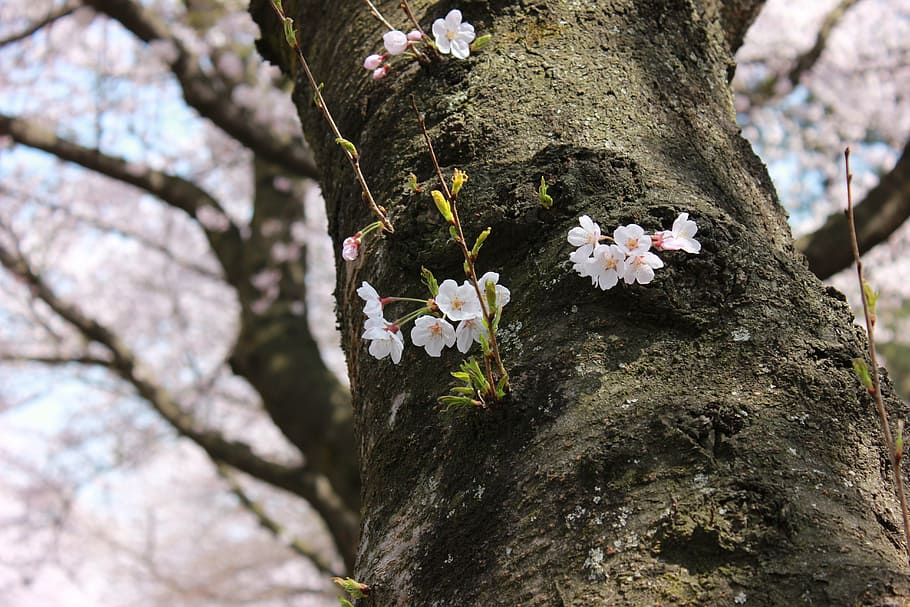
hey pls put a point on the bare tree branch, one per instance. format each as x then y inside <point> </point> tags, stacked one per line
<point>82,359</point>
<point>882,211</point>
<point>308,484</point>
<point>176,191</point>
<point>767,89</point>
<point>55,15</point>
<point>208,97</point>
<point>805,62</point>
<point>271,525</point>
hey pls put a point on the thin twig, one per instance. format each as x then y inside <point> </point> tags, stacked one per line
<point>407,11</point>
<point>353,157</point>
<point>270,524</point>
<point>378,15</point>
<point>893,453</point>
<point>469,259</point>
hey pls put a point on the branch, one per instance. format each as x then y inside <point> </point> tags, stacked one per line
<point>766,90</point>
<point>207,97</point>
<point>176,191</point>
<point>736,18</point>
<point>312,486</point>
<point>82,359</point>
<point>884,209</point>
<point>268,523</point>
<point>55,15</point>
<point>807,60</point>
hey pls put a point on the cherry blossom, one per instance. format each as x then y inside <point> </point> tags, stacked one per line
<point>385,338</point>
<point>380,72</point>
<point>350,248</point>
<point>503,295</point>
<point>373,307</point>
<point>453,36</point>
<point>582,265</point>
<point>681,237</point>
<point>640,267</point>
<point>373,61</point>
<point>607,265</point>
<point>396,42</point>
<point>415,36</point>
<point>433,334</point>
<point>469,331</point>
<point>457,302</point>
<point>631,239</point>
<point>586,237</point>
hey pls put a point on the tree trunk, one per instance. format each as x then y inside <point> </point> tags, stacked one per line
<point>697,441</point>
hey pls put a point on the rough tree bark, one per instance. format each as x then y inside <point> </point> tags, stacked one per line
<point>697,441</point>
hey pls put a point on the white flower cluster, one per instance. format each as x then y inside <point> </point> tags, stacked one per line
<point>628,257</point>
<point>451,35</point>
<point>455,302</point>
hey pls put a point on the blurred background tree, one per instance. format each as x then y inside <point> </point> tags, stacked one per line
<point>171,376</point>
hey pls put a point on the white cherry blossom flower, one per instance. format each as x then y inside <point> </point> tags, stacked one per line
<point>640,267</point>
<point>385,338</point>
<point>468,331</point>
<point>453,36</point>
<point>395,42</point>
<point>582,265</point>
<point>503,295</point>
<point>681,237</point>
<point>632,239</point>
<point>607,265</point>
<point>457,302</point>
<point>380,72</point>
<point>432,333</point>
<point>586,237</point>
<point>373,307</point>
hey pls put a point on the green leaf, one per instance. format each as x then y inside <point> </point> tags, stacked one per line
<point>862,371</point>
<point>430,281</point>
<point>316,101</point>
<point>453,233</point>
<point>451,402</point>
<point>349,147</point>
<point>475,251</point>
<point>546,201</point>
<point>352,587</point>
<point>289,34</point>
<point>412,183</point>
<point>871,299</point>
<point>344,602</point>
<point>481,42</point>
<point>502,386</point>
<point>443,206</point>
<point>461,376</point>
<point>489,289</point>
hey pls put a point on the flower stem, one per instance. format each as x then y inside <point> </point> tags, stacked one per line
<point>469,260</point>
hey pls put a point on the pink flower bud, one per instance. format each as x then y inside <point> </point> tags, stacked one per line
<point>372,62</point>
<point>415,36</point>
<point>380,72</point>
<point>350,249</point>
<point>395,42</point>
